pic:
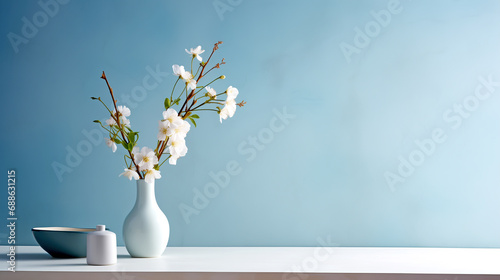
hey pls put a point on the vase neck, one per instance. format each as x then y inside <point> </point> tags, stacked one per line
<point>145,193</point>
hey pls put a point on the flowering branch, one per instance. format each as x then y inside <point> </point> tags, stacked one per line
<point>173,127</point>
<point>204,64</point>
<point>117,119</point>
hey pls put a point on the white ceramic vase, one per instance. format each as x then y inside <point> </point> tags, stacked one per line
<point>146,229</point>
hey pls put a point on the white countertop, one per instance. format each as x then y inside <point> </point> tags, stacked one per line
<point>277,259</point>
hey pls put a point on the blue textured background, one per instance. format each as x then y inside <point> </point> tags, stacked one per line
<point>321,174</point>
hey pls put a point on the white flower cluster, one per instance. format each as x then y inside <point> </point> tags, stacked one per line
<point>229,104</point>
<point>146,160</point>
<point>176,129</point>
<point>185,75</point>
<point>232,92</point>
<point>123,113</point>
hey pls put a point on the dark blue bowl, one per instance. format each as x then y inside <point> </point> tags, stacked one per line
<point>63,242</point>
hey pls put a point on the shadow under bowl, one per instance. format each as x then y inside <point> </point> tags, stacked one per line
<point>63,242</point>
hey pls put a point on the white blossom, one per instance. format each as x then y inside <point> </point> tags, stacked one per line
<point>124,111</point>
<point>228,110</point>
<point>232,92</point>
<point>186,75</point>
<point>129,173</point>
<point>196,52</point>
<point>111,144</point>
<point>178,130</point>
<point>151,175</point>
<point>110,121</point>
<point>123,121</point>
<point>189,79</point>
<point>177,147</point>
<point>178,70</point>
<point>191,84</point>
<point>146,159</point>
<point>211,92</point>
<point>163,130</point>
<point>171,116</point>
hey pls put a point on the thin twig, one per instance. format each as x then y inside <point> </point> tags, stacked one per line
<point>118,123</point>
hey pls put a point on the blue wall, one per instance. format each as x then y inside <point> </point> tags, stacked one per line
<point>363,127</point>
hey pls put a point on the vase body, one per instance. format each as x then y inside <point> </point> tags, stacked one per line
<point>146,229</point>
<point>101,247</point>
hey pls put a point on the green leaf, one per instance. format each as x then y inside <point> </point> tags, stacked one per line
<point>167,103</point>
<point>195,116</point>
<point>177,101</point>
<point>130,136</point>
<point>131,146</point>
<point>117,141</point>
<point>192,120</point>
<point>125,145</point>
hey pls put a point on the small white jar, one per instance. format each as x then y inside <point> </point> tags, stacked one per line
<point>101,247</point>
